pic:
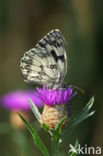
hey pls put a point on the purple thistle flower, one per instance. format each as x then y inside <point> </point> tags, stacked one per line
<point>52,97</point>
<point>55,105</point>
<point>19,100</point>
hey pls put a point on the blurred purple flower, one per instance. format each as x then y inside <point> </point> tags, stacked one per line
<point>54,97</point>
<point>19,100</point>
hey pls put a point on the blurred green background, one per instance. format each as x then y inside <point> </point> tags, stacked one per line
<point>22,25</point>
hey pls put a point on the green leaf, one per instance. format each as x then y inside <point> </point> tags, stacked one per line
<point>35,110</point>
<point>58,130</point>
<point>37,140</point>
<point>46,128</point>
<point>84,114</point>
<point>87,107</point>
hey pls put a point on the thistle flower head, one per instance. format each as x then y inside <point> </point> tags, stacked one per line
<point>52,97</point>
<point>54,104</point>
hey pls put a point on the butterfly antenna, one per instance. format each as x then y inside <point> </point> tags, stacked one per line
<point>80,89</point>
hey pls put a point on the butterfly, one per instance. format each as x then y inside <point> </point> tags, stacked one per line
<point>46,64</point>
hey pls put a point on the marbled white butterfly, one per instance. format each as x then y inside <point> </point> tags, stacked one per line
<point>46,64</point>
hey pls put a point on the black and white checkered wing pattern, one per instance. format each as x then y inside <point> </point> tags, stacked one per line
<point>46,64</point>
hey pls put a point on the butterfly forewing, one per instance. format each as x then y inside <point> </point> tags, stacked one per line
<point>46,64</point>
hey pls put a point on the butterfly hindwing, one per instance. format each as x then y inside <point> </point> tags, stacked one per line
<point>46,63</point>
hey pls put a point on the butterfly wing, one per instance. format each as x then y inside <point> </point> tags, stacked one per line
<point>46,64</point>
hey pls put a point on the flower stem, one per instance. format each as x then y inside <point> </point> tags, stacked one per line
<point>55,148</point>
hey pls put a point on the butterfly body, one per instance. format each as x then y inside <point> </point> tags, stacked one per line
<point>46,64</point>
